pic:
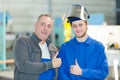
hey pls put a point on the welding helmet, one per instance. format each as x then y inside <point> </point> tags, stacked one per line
<point>76,12</point>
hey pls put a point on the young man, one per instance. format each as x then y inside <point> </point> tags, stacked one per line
<point>83,58</point>
<point>35,56</point>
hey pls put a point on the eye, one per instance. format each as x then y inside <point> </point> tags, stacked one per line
<point>74,26</point>
<point>42,24</point>
<point>81,25</point>
<point>49,26</point>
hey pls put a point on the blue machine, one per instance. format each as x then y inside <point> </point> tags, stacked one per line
<point>2,39</point>
<point>96,19</point>
<point>59,31</point>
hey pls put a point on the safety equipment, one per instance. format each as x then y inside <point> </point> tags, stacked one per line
<point>77,11</point>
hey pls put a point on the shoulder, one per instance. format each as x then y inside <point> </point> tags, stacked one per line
<point>67,44</point>
<point>21,43</point>
<point>22,40</point>
<point>52,47</point>
<point>96,42</point>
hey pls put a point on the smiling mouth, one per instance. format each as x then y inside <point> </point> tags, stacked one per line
<point>44,33</point>
<point>79,32</point>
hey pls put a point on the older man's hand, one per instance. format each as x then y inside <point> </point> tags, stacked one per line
<point>56,62</point>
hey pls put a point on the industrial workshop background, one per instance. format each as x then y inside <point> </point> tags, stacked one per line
<point>17,19</point>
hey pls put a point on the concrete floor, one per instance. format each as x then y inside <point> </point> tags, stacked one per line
<point>6,75</point>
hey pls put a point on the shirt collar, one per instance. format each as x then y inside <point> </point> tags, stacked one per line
<point>87,41</point>
<point>37,40</point>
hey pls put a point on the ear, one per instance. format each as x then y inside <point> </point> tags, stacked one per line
<point>86,22</point>
<point>35,24</point>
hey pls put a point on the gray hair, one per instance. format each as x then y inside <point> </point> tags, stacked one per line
<point>47,15</point>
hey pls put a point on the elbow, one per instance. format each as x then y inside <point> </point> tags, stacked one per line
<point>22,67</point>
<point>105,74</point>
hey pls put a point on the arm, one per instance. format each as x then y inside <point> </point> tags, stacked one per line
<point>62,71</point>
<point>100,73</point>
<point>22,61</point>
<point>101,70</point>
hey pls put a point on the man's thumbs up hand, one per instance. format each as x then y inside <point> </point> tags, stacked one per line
<point>55,56</point>
<point>56,62</point>
<point>75,69</point>
<point>76,63</point>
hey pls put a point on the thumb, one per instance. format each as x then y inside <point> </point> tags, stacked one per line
<point>76,63</point>
<point>55,56</point>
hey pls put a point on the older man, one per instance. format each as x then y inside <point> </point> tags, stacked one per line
<point>35,56</point>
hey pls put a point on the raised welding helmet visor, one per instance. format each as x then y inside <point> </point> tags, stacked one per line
<point>76,12</point>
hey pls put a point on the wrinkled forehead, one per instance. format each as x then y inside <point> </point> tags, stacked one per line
<point>45,20</point>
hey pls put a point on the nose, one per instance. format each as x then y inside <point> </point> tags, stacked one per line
<point>45,27</point>
<point>78,27</point>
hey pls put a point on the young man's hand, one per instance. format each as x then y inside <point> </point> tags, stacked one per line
<point>75,69</point>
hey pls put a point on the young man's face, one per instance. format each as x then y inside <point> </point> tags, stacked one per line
<point>80,28</point>
<point>43,27</point>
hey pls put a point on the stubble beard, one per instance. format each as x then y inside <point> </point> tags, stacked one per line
<point>81,35</point>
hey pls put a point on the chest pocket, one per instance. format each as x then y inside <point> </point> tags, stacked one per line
<point>34,55</point>
<point>34,52</point>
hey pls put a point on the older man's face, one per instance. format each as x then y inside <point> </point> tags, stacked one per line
<point>43,27</point>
